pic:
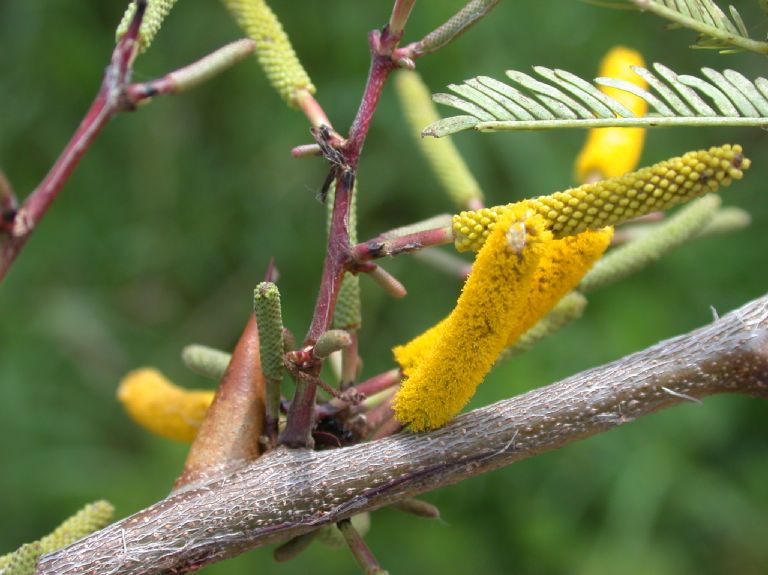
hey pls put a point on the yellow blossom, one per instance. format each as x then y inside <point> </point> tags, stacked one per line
<point>562,265</point>
<point>472,336</point>
<point>413,352</point>
<point>609,202</point>
<point>505,295</point>
<point>610,152</point>
<point>162,407</point>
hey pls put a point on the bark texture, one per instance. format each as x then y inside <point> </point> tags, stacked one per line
<point>289,492</point>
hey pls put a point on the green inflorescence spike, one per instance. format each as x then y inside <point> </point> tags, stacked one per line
<point>273,48</point>
<point>633,256</point>
<point>615,200</point>
<point>156,12</point>
<point>205,360</point>
<point>441,154</point>
<point>266,305</point>
<point>90,518</point>
<point>569,308</point>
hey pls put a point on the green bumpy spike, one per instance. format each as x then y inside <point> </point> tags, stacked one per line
<point>90,518</point>
<point>23,561</point>
<point>568,309</point>
<point>269,317</point>
<point>441,154</point>
<point>684,226</point>
<point>205,360</point>
<point>346,314</point>
<point>457,24</point>
<point>156,12</point>
<point>615,200</point>
<point>273,49</point>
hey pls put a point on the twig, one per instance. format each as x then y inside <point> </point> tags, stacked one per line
<point>363,554</point>
<point>392,246</point>
<point>193,74</point>
<point>289,492</point>
<point>115,95</point>
<point>107,102</point>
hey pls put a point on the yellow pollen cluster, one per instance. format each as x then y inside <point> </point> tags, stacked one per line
<point>612,201</point>
<point>518,276</point>
<point>273,48</point>
<point>162,407</point>
<point>472,336</point>
<point>610,152</point>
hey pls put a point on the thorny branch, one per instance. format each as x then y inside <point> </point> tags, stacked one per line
<point>290,492</point>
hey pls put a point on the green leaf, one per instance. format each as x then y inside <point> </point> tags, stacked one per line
<point>563,100</point>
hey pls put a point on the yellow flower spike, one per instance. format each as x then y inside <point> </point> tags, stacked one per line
<point>273,49</point>
<point>411,354</point>
<point>610,152</point>
<point>162,407</point>
<point>562,265</point>
<point>478,328</point>
<point>612,201</point>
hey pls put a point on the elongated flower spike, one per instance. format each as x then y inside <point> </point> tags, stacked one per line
<point>612,201</point>
<point>610,152</point>
<point>269,317</point>
<point>568,309</point>
<point>90,518</point>
<point>155,13</point>
<point>273,49</point>
<point>162,407</point>
<point>441,153</point>
<point>678,230</point>
<point>478,328</point>
<point>445,364</point>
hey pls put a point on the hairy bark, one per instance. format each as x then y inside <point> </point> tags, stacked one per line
<point>289,492</point>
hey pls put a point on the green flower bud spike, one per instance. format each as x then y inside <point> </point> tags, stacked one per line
<point>331,341</point>
<point>273,49</point>
<point>269,318</point>
<point>156,12</point>
<point>205,360</point>
<point>23,561</point>
<point>568,309</point>
<point>441,154</point>
<point>634,256</point>
<point>612,201</point>
<point>90,518</point>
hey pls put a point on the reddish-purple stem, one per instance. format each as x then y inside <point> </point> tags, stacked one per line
<point>378,383</point>
<point>107,102</point>
<point>338,254</point>
<point>383,247</point>
<point>336,258</point>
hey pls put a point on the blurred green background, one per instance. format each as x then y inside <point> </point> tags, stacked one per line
<point>168,223</point>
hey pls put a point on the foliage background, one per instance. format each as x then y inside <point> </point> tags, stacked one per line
<point>162,232</point>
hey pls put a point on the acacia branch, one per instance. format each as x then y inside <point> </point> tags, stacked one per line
<point>290,492</point>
